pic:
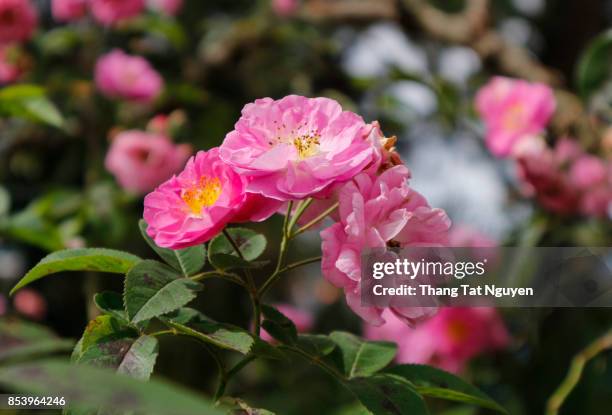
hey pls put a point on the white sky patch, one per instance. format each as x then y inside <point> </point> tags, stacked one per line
<point>381,46</point>
<point>417,97</point>
<point>458,64</point>
<point>530,7</point>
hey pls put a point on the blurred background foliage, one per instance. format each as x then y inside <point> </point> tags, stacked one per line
<point>385,59</point>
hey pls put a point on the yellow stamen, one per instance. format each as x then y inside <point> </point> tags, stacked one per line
<point>307,145</point>
<point>203,194</point>
<point>514,117</point>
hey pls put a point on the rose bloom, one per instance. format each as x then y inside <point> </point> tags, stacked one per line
<point>302,319</point>
<point>140,161</point>
<point>119,75</point>
<point>513,110</point>
<point>30,304</point>
<point>285,8</point>
<point>194,206</point>
<point>18,20</point>
<point>169,7</point>
<point>448,340</point>
<point>112,11</point>
<point>376,212</point>
<point>68,10</point>
<point>10,68</point>
<point>297,147</point>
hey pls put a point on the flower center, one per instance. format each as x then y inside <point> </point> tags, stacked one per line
<point>513,118</point>
<point>307,145</point>
<point>457,331</point>
<point>203,194</point>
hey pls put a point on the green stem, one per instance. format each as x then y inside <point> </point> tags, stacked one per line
<point>252,288</point>
<point>299,211</point>
<point>276,274</point>
<point>575,372</point>
<point>316,220</point>
<point>316,361</point>
<point>220,274</point>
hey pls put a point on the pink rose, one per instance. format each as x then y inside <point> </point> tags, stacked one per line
<point>193,207</point>
<point>68,10</point>
<point>30,303</point>
<point>285,8</point>
<point>448,340</point>
<point>303,320</point>
<point>375,212</point>
<point>140,161</point>
<point>10,70</point>
<point>112,11</point>
<point>119,75</point>
<point>18,20</point>
<point>296,147</point>
<point>513,110</point>
<point>169,7</point>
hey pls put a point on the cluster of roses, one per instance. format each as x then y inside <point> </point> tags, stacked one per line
<point>290,150</point>
<point>565,178</point>
<point>19,20</point>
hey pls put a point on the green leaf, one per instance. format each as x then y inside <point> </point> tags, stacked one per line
<point>104,328</point>
<point>387,395</point>
<point>29,102</point>
<point>278,325</point>
<point>225,262</point>
<point>316,345</point>
<point>251,243</point>
<point>87,387</point>
<point>112,304</point>
<point>134,357</point>
<point>153,289</point>
<point>195,324</point>
<point>19,339</point>
<point>437,383</point>
<point>361,358</point>
<point>188,261</point>
<point>595,65</point>
<point>82,259</point>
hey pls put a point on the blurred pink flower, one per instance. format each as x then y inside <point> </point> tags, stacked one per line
<point>68,10</point>
<point>375,212</point>
<point>296,147</point>
<point>169,7</point>
<point>448,340</point>
<point>112,11</point>
<point>587,171</point>
<point>463,236</point>
<point>141,161</point>
<point>18,20</point>
<point>513,110</point>
<point>285,8</point>
<point>119,75</point>
<point>10,70</point>
<point>303,320</point>
<point>193,207</point>
<point>30,303</point>
<point>566,180</point>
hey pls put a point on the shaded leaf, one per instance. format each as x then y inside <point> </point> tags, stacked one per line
<point>111,303</point>
<point>188,261</point>
<point>153,289</point>
<point>82,259</point>
<point>595,64</point>
<point>278,325</point>
<point>134,357</point>
<point>86,387</point>
<point>387,395</point>
<point>19,339</point>
<point>250,243</point>
<point>316,345</point>
<point>104,328</point>
<point>360,358</point>
<point>436,383</point>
